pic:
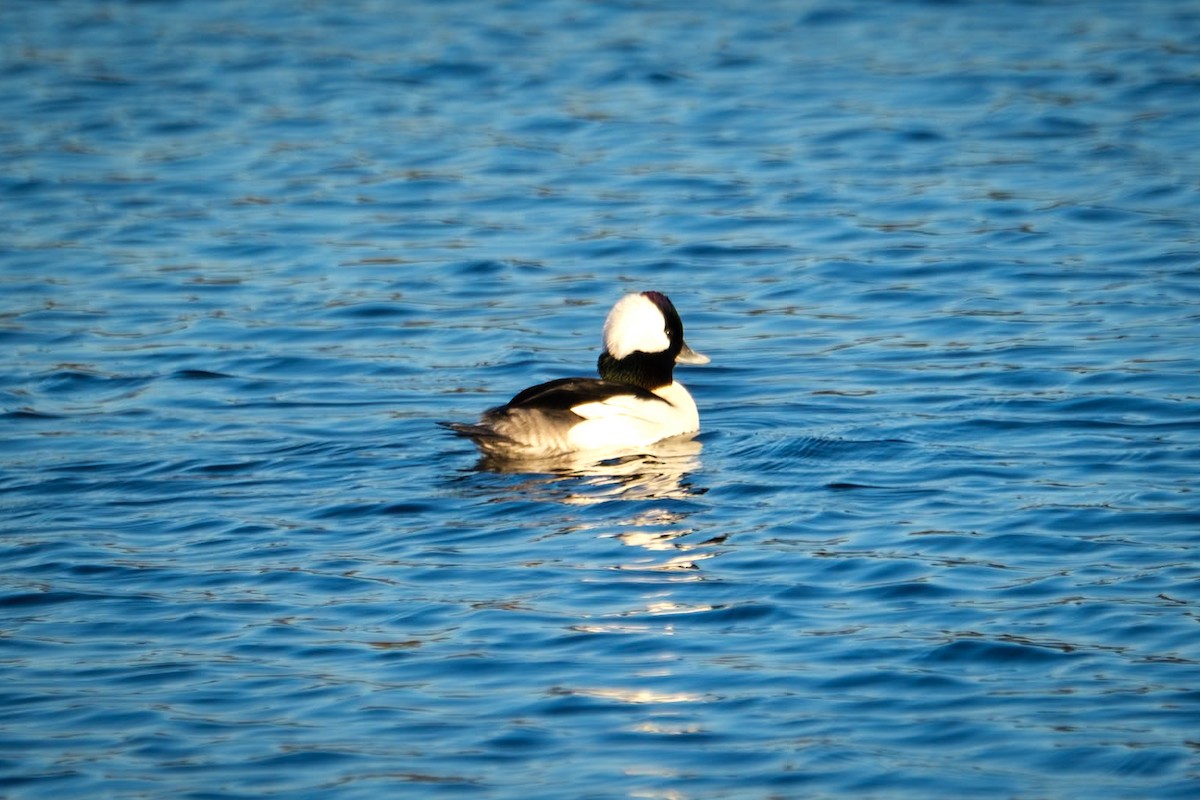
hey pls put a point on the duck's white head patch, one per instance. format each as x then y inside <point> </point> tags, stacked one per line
<point>635,324</point>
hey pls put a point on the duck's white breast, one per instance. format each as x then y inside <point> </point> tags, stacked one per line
<point>630,421</point>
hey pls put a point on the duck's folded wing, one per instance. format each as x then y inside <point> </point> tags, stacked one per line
<point>570,394</point>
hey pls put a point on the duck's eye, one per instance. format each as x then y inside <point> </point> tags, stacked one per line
<point>667,331</point>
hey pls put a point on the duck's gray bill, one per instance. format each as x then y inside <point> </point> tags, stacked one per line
<point>689,356</point>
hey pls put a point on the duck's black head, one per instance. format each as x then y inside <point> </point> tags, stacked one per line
<point>643,340</point>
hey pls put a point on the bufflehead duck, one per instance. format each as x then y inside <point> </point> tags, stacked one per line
<point>635,402</point>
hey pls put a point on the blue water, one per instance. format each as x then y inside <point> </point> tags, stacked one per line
<point>939,536</point>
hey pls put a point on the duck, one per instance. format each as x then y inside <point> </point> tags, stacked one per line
<point>634,403</point>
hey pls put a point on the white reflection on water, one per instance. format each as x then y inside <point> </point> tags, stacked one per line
<point>660,471</point>
<point>644,490</point>
<point>663,472</point>
<point>637,695</point>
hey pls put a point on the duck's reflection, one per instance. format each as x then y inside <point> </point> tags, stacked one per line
<point>660,471</point>
<point>645,500</point>
<point>645,592</point>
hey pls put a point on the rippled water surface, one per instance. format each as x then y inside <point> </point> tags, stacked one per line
<point>939,535</point>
